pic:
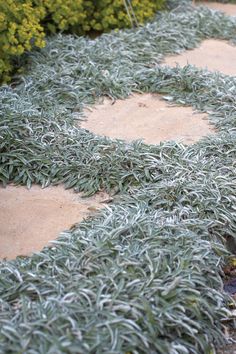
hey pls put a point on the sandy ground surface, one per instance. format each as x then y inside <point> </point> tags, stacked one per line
<point>30,219</point>
<point>147,117</point>
<point>229,9</point>
<point>215,55</point>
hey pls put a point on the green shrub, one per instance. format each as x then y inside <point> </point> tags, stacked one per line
<point>111,14</point>
<point>20,29</point>
<point>65,14</point>
<point>23,23</point>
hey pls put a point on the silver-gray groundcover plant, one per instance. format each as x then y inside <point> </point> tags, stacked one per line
<point>143,276</point>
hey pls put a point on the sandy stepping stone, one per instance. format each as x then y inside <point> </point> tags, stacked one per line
<point>215,55</point>
<point>30,219</point>
<point>228,9</point>
<point>147,117</point>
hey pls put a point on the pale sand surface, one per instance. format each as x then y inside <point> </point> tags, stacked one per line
<point>229,9</point>
<point>30,219</point>
<point>147,117</point>
<point>215,55</point>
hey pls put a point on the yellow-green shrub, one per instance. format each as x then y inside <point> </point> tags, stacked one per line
<point>20,29</point>
<point>23,23</point>
<point>65,14</point>
<point>112,14</point>
<point>101,15</point>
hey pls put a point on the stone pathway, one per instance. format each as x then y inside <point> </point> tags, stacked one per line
<point>229,9</point>
<point>149,118</point>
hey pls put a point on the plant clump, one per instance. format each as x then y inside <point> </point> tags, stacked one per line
<point>20,30</point>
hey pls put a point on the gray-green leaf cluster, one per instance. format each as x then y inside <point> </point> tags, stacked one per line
<point>143,276</point>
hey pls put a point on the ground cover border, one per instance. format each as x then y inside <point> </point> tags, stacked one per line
<point>111,285</point>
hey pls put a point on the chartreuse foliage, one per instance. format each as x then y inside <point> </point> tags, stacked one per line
<point>143,276</point>
<point>109,14</point>
<point>20,29</point>
<point>65,14</point>
<point>23,23</point>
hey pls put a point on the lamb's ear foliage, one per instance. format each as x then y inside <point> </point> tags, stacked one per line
<point>24,23</point>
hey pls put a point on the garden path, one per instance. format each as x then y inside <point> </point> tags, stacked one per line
<point>229,9</point>
<point>56,210</point>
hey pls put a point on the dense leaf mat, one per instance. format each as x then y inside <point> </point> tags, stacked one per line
<point>144,275</point>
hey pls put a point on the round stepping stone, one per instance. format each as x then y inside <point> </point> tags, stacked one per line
<point>215,55</point>
<point>147,117</point>
<point>228,9</point>
<point>30,219</point>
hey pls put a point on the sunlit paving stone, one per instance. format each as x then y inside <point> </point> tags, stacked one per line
<point>30,219</point>
<point>228,9</point>
<point>147,117</point>
<point>214,55</point>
